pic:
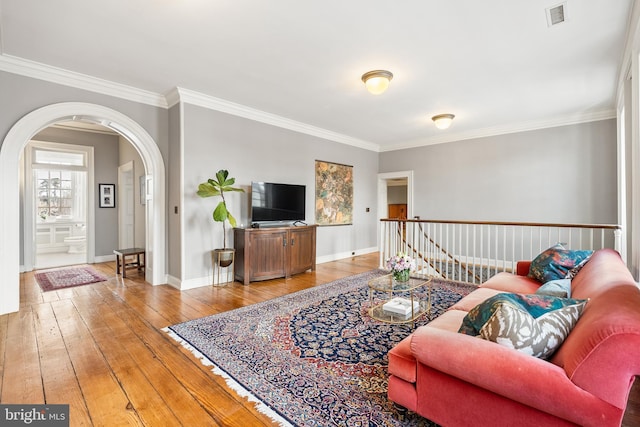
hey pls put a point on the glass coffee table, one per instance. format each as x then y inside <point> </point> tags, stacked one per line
<point>398,302</point>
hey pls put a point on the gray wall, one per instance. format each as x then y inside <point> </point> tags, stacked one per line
<point>396,194</point>
<point>562,174</point>
<point>253,151</point>
<point>174,185</point>
<point>105,152</point>
<point>22,95</point>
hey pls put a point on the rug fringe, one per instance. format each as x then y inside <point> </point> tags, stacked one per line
<point>233,384</point>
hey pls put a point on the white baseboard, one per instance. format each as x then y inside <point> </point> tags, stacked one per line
<point>199,282</point>
<point>184,285</point>
<point>344,255</point>
<point>173,281</point>
<point>104,258</point>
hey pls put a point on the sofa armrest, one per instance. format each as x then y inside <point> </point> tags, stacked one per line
<point>522,268</point>
<point>517,376</point>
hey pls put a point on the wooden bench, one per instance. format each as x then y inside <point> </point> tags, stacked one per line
<point>124,264</point>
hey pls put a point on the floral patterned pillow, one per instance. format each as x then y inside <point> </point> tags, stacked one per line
<point>557,263</point>
<point>533,324</point>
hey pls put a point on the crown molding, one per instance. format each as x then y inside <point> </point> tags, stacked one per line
<point>506,129</point>
<point>36,70</point>
<point>64,77</point>
<point>224,106</point>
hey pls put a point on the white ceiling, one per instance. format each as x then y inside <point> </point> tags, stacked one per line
<point>495,64</point>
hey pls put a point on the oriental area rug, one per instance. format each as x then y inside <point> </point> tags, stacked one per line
<point>314,357</point>
<point>60,278</point>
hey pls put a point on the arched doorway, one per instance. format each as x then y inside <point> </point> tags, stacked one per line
<point>14,143</point>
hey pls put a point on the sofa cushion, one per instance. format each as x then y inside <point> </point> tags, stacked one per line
<point>558,288</point>
<point>556,262</point>
<point>508,282</point>
<point>533,324</point>
<point>473,299</point>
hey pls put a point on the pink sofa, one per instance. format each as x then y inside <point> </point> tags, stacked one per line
<point>461,380</point>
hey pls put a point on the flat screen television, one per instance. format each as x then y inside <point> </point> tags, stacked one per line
<point>277,202</point>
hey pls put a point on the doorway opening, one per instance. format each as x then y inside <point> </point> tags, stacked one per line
<point>10,151</point>
<point>56,209</point>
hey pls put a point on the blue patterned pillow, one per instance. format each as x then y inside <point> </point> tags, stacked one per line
<point>557,288</point>
<point>534,324</point>
<point>556,263</point>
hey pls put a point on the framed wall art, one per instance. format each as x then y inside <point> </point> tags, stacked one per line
<point>334,193</point>
<point>107,195</point>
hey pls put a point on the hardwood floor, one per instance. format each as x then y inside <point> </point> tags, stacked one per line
<point>100,348</point>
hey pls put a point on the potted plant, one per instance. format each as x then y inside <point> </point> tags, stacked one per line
<point>217,187</point>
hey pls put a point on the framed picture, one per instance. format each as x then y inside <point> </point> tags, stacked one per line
<point>107,194</point>
<point>334,193</point>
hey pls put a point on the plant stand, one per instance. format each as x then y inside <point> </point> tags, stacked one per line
<point>223,259</point>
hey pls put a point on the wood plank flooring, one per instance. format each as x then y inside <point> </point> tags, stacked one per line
<point>100,348</point>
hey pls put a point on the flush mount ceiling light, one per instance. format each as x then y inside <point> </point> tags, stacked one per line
<point>377,81</point>
<point>443,121</point>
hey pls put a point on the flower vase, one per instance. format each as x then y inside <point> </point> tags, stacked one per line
<point>401,276</point>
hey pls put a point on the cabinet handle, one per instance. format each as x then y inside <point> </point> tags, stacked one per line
<point>292,240</point>
<point>284,242</point>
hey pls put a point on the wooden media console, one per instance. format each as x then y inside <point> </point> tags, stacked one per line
<point>272,252</point>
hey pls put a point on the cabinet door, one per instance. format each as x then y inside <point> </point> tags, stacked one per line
<point>302,254</point>
<point>267,251</point>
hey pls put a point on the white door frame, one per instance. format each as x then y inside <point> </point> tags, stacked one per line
<point>382,192</point>
<point>10,151</point>
<point>382,195</point>
<point>125,204</point>
<point>29,244</point>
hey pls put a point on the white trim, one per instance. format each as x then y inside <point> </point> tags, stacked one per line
<point>10,152</point>
<point>173,281</point>
<point>105,258</point>
<point>621,179</point>
<point>382,197</point>
<point>29,249</point>
<point>36,70</point>
<point>345,255</point>
<point>505,129</point>
<point>61,76</point>
<point>217,104</point>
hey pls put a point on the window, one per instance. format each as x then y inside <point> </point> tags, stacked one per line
<point>66,158</point>
<point>59,181</point>
<point>54,193</point>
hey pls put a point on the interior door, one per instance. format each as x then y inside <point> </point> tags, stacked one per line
<point>126,206</point>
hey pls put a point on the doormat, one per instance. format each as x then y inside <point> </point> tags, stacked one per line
<point>52,280</point>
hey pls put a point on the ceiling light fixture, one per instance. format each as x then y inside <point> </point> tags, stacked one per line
<point>377,81</point>
<point>443,121</point>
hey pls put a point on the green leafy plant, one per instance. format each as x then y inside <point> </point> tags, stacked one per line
<point>217,187</point>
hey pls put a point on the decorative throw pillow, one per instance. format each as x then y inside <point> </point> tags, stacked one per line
<point>556,262</point>
<point>534,324</point>
<point>560,288</point>
<point>575,270</point>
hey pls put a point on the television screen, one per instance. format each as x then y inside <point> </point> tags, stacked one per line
<point>277,202</point>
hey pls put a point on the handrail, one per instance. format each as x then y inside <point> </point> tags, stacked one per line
<point>475,250</point>
<point>508,223</point>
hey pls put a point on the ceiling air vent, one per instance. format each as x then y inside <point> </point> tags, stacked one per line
<point>556,14</point>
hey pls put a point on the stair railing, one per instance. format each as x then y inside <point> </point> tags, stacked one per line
<point>473,251</point>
